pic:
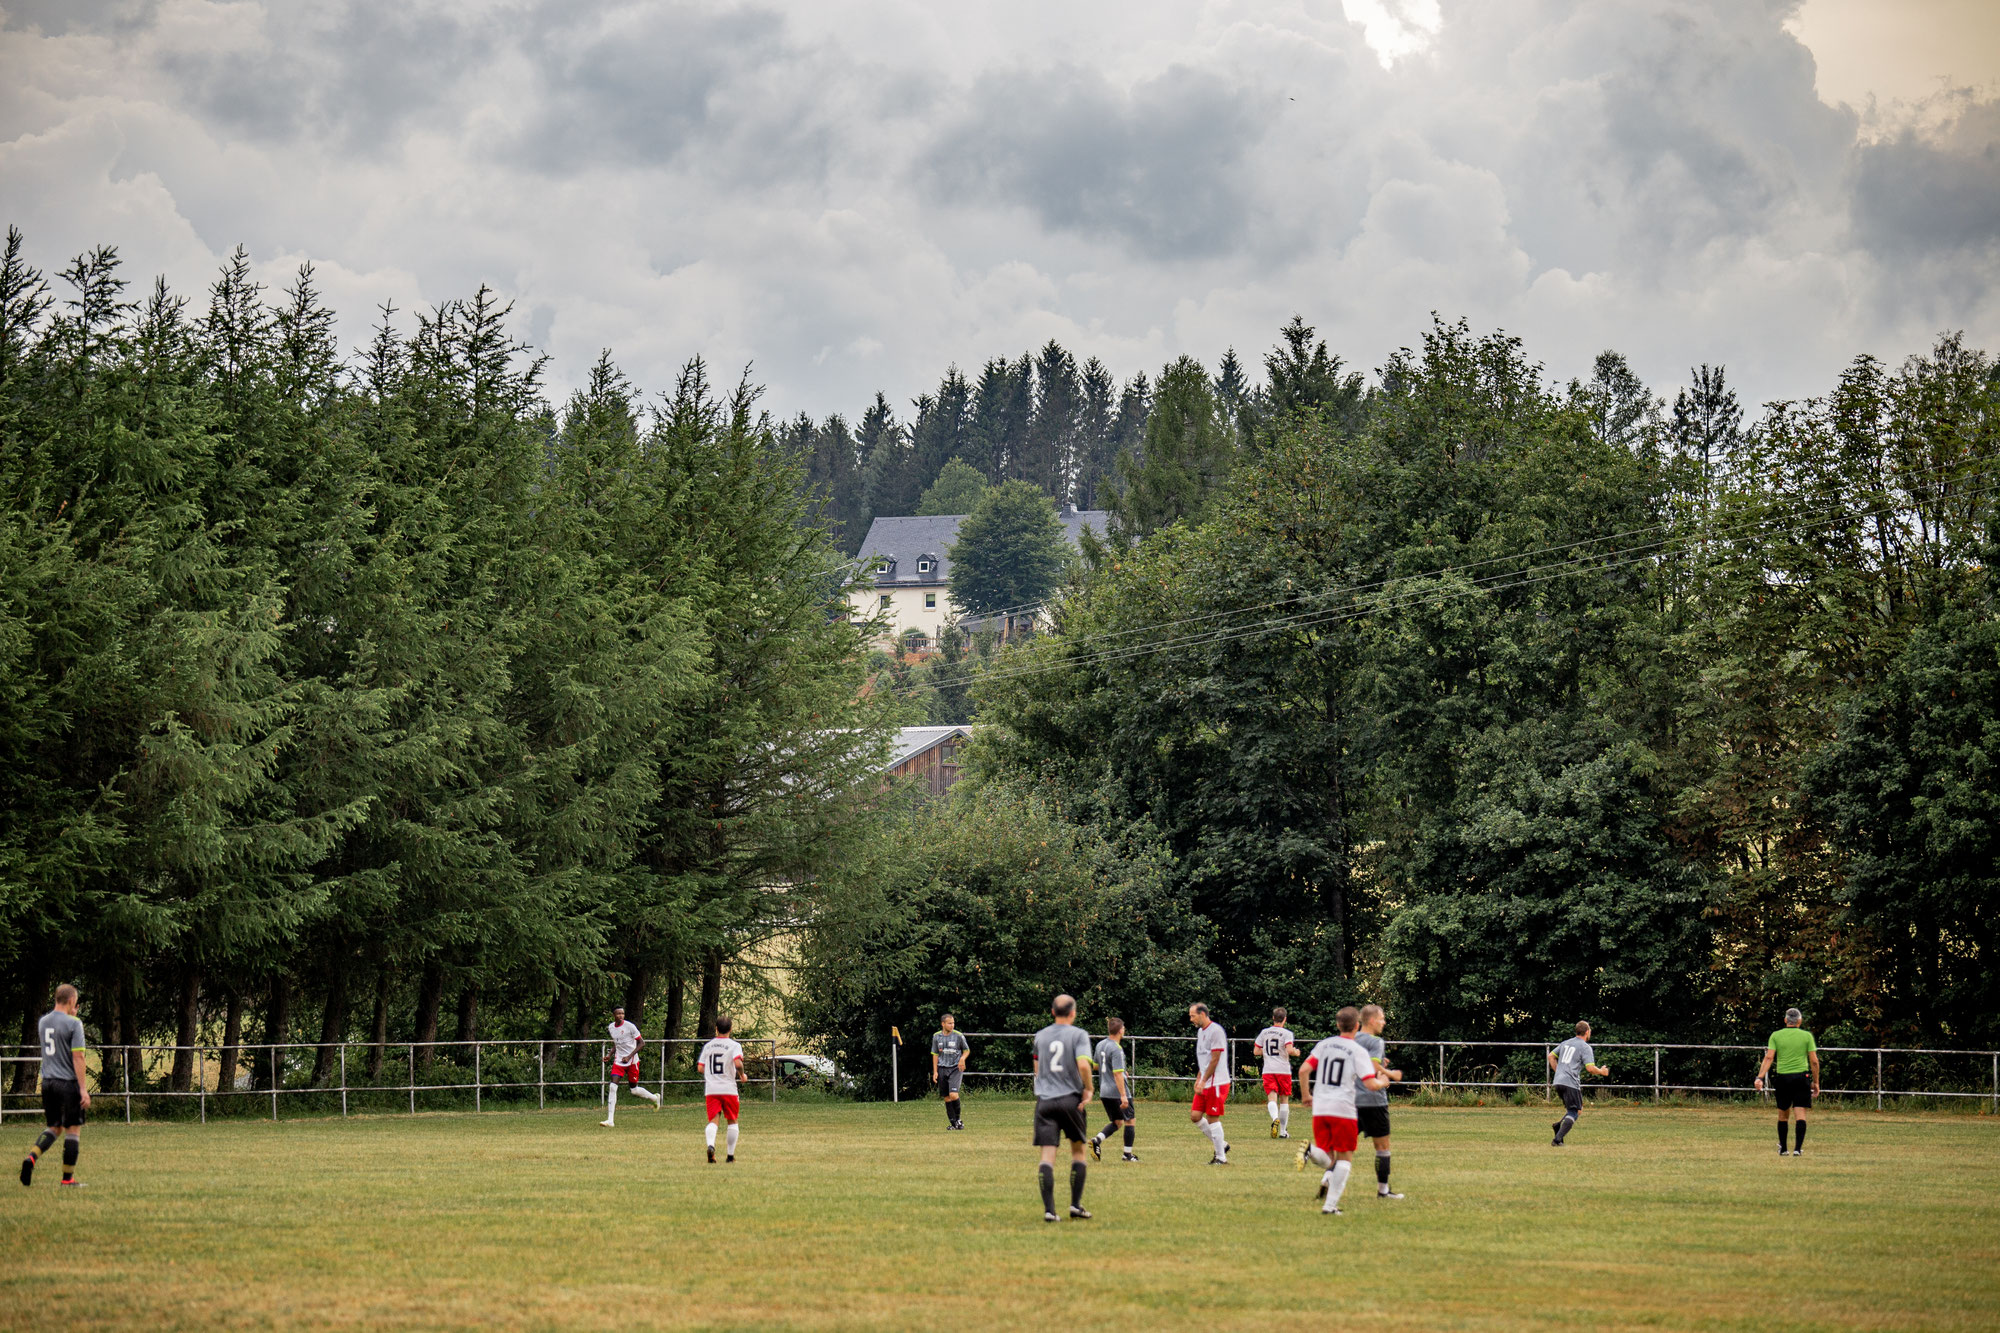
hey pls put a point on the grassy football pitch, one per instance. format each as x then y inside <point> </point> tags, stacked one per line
<point>853,1216</point>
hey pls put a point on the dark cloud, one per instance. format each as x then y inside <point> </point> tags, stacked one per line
<point>60,18</point>
<point>1160,167</point>
<point>1917,195</point>
<point>352,77</point>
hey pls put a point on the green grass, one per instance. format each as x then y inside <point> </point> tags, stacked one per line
<point>872,1217</point>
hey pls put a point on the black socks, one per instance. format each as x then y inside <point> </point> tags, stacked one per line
<point>1381,1168</point>
<point>1784,1134</point>
<point>1128,1137</point>
<point>70,1147</point>
<point>48,1136</point>
<point>1110,1127</point>
<point>951,1112</point>
<point>1799,1135</point>
<point>1562,1130</point>
<point>1048,1188</point>
<point>1076,1172</point>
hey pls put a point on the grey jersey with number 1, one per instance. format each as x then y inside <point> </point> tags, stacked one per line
<point>1571,1057</point>
<point>1061,1052</point>
<point>1110,1059</point>
<point>59,1033</point>
<point>1372,1044</point>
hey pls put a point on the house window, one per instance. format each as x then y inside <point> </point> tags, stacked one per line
<point>930,601</point>
<point>885,601</point>
<point>923,566</point>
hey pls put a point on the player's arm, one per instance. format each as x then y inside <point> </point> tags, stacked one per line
<point>1765,1068</point>
<point>1124,1090</point>
<point>83,1088</point>
<point>1306,1072</point>
<point>933,1064</point>
<point>1812,1056</point>
<point>1552,1059</point>
<point>1089,1068</point>
<point>1601,1071</point>
<point>964,1056</point>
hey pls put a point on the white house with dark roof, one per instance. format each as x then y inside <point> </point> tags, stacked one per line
<point>904,568</point>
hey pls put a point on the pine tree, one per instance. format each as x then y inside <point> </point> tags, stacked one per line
<point>1188,450</point>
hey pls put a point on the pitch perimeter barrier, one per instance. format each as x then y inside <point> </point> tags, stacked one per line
<point>1879,1072</point>
<point>505,1072</point>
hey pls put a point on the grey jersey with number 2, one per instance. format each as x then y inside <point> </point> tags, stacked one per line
<point>1062,1050</point>
<point>60,1033</point>
<point>1571,1057</point>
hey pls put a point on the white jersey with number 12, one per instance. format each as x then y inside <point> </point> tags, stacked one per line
<point>718,1067</point>
<point>1339,1065</point>
<point>1271,1044</point>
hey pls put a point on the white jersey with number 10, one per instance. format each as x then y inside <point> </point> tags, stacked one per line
<point>1339,1064</point>
<point>718,1067</point>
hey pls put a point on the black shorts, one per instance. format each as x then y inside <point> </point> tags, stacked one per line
<point>1792,1090</point>
<point>1373,1120</point>
<point>1056,1117</point>
<point>948,1081</point>
<point>62,1103</point>
<point>1572,1098</point>
<point>1115,1109</point>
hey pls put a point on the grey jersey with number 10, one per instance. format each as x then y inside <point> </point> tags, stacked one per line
<point>1110,1059</point>
<point>1062,1051</point>
<point>1571,1057</point>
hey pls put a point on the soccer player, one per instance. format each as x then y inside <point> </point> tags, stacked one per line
<point>64,1096</point>
<point>1113,1090</point>
<point>1337,1071</point>
<point>1794,1088</point>
<point>1571,1061</point>
<point>948,1054</point>
<point>1062,1090</point>
<point>1371,1105</point>
<point>721,1066</point>
<point>1211,1081</point>
<point>624,1058</point>
<point>1276,1045</point>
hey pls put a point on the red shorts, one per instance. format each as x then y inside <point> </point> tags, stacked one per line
<point>625,1073</point>
<point>1209,1101</point>
<point>1278,1083</point>
<point>1332,1133</point>
<point>726,1107</point>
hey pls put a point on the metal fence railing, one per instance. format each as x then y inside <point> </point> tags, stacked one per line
<point>504,1072</point>
<point>1877,1072</point>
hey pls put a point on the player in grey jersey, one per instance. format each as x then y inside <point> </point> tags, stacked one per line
<point>1114,1089</point>
<point>1568,1063</point>
<point>1371,1105</point>
<point>1062,1090</point>
<point>948,1054</point>
<point>59,1034</point>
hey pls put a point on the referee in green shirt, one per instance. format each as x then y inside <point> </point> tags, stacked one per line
<point>1796,1081</point>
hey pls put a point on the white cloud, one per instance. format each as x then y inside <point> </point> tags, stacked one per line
<point>854,193</point>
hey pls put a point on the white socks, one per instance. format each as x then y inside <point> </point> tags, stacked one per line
<point>711,1133</point>
<point>652,1097</point>
<point>1336,1184</point>
<point>1271,1105</point>
<point>732,1138</point>
<point>611,1107</point>
<point>1285,1116</point>
<point>1215,1137</point>
<point>1318,1158</point>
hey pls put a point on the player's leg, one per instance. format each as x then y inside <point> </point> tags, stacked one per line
<point>72,1145</point>
<point>1285,1107</point>
<point>1047,1137</point>
<point>1799,1125</point>
<point>731,1109</point>
<point>1130,1122</point>
<point>1271,1102</point>
<point>639,1089</point>
<point>51,1131</point>
<point>1572,1107</point>
<point>1077,1172</point>
<point>610,1120</point>
<point>713,1105</point>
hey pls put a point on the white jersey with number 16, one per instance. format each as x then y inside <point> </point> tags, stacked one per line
<point>1338,1066</point>
<point>718,1067</point>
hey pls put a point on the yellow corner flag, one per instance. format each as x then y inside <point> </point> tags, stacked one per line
<point>897,1033</point>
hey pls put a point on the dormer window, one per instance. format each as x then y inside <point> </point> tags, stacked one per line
<point>923,566</point>
<point>885,565</point>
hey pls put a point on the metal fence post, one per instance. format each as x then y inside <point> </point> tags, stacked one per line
<point>274,1083</point>
<point>1656,1076</point>
<point>1440,1066</point>
<point>413,1078</point>
<point>1548,1075</point>
<point>895,1074</point>
<point>774,1073</point>
<point>1996,1085</point>
<point>201,1080</point>
<point>476,1048</point>
<point>1878,1078</point>
<point>343,1078</point>
<point>541,1077</point>
<point>125,1063</point>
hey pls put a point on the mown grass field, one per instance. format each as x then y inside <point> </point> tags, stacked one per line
<point>859,1216</point>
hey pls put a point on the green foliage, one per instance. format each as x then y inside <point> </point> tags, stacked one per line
<point>957,490</point>
<point>1010,551</point>
<point>987,906</point>
<point>1189,447</point>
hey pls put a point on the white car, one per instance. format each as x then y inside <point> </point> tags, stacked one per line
<point>801,1070</point>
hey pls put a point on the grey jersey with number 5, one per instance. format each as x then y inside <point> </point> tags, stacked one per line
<point>59,1033</point>
<point>1571,1057</point>
<point>1062,1050</point>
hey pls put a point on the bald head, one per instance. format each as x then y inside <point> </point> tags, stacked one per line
<point>1064,1007</point>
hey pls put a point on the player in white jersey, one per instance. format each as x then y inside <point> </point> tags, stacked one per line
<point>721,1066</point>
<point>1211,1081</point>
<point>624,1059</point>
<point>1336,1071</point>
<point>1277,1048</point>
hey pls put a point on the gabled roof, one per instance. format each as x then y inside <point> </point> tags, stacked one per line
<point>913,741</point>
<point>908,539</point>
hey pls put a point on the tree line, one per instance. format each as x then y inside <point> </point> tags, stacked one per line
<point>376,696</point>
<point>1503,701</point>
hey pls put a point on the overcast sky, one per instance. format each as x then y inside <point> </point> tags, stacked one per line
<point>853,193</point>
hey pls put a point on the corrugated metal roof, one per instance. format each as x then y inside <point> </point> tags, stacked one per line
<point>913,741</point>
